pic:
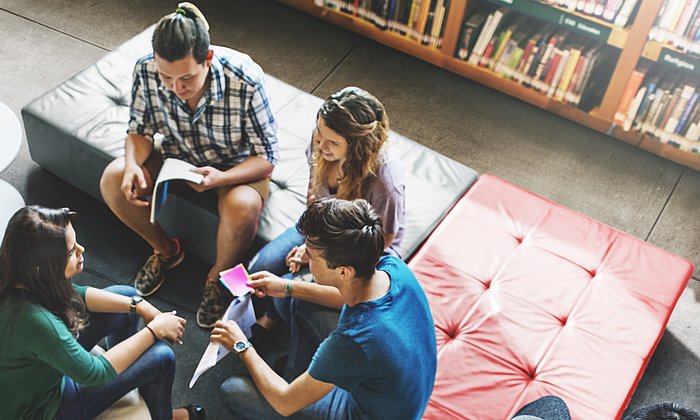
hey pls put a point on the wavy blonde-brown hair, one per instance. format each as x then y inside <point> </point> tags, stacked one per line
<point>361,120</point>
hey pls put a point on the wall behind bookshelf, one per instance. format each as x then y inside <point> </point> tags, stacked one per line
<point>629,43</point>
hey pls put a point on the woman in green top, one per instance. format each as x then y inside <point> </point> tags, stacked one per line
<point>47,326</point>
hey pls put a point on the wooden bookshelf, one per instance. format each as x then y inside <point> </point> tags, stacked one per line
<point>631,41</point>
<point>672,57</point>
<point>585,25</point>
<point>669,152</point>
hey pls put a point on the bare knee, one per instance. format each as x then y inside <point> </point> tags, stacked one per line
<point>241,202</point>
<point>110,183</point>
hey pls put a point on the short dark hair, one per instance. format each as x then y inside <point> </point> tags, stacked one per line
<point>179,33</point>
<point>663,411</point>
<point>347,233</point>
<point>34,254</point>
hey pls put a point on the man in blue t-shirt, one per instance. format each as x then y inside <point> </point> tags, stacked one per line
<point>381,360</point>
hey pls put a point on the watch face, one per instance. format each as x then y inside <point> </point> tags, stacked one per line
<point>239,346</point>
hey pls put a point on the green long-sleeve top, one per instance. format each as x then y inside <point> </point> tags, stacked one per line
<point>36,351</point>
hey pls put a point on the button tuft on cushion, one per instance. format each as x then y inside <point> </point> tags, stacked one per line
<point>450,332</point>
<point>119,100</point>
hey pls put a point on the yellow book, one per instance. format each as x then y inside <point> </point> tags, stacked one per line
<point>411,17</point>
<point>437,25</point>
<point>422,18</point>
<point>568,74</point>
<point>501,46</point>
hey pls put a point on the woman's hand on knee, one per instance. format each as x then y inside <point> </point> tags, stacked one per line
<point>296,258</point>
<point>168,326</point>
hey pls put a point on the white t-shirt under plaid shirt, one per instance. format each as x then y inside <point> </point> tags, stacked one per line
<point>233,119</point>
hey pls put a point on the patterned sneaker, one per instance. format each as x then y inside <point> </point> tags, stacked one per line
<point>215,301</point>
<point>151,276</point>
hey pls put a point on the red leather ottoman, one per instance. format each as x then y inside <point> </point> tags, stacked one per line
<point>533,299</point>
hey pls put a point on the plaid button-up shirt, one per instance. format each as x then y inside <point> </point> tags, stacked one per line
<point>233,119</point>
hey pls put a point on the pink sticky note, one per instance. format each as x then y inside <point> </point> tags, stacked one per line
<point>235,280</point>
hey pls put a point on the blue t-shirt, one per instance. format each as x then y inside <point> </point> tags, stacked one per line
<point>383,352</point>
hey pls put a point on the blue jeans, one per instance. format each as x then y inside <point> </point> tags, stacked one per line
<point>241,396</point>
<point>546,408</point>
<point>153,373</point>
<point>309,324</point>
<point>272,258</point>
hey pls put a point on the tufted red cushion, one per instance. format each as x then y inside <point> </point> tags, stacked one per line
<point>533,299</point>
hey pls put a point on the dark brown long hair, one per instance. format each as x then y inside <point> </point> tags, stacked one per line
<point>33,259</point>
<point>361,120</point>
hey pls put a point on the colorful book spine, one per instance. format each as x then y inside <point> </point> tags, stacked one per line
<point>628,96</point>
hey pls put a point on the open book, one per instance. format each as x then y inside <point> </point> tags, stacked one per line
<point>171,169</point>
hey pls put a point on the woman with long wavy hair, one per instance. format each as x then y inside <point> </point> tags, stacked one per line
<point>348,159</point>
<point>48,325</point>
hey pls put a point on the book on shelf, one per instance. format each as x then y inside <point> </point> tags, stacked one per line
<point>689,109</point>
<point>643,105</point>
<point>544,57</point>
<point>469,33</point>
<point>421,20</point>
<point>628,95</point>
<point>486,35</point>
<point>617,12</point>
<point>567,74</point>
<point>678,24</point>
<point>681,104</point>
<point>634,108</point>
<point>610,10</point>
<point>623,15</point>
<point>593,80</point>
<point>665,106</point>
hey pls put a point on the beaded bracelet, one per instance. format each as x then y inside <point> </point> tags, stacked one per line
<point>288,289</point>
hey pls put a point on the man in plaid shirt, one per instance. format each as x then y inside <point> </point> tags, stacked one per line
<point>213,112</point>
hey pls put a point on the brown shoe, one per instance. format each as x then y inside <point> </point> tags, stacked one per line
<point>215,301</point>
<point>151,276</point>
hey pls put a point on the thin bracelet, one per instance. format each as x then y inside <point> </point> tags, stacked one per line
<point>288,289</point>
<point>155,337</point>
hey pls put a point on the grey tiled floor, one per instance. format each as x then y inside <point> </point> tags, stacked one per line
<point>43,42</point>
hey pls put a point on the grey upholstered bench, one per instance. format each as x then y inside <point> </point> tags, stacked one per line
<point>76,129</point>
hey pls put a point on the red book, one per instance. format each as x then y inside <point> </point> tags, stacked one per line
<point>554,63</point>
<point>487,53</point>
<point>628,95</point>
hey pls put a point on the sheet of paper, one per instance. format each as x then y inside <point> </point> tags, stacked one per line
<point>241,311</point>
<point>171,169</point>
<point>235,280</point>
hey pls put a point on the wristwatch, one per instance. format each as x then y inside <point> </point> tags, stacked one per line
<point>241,346</point>
<point>135,300</point>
